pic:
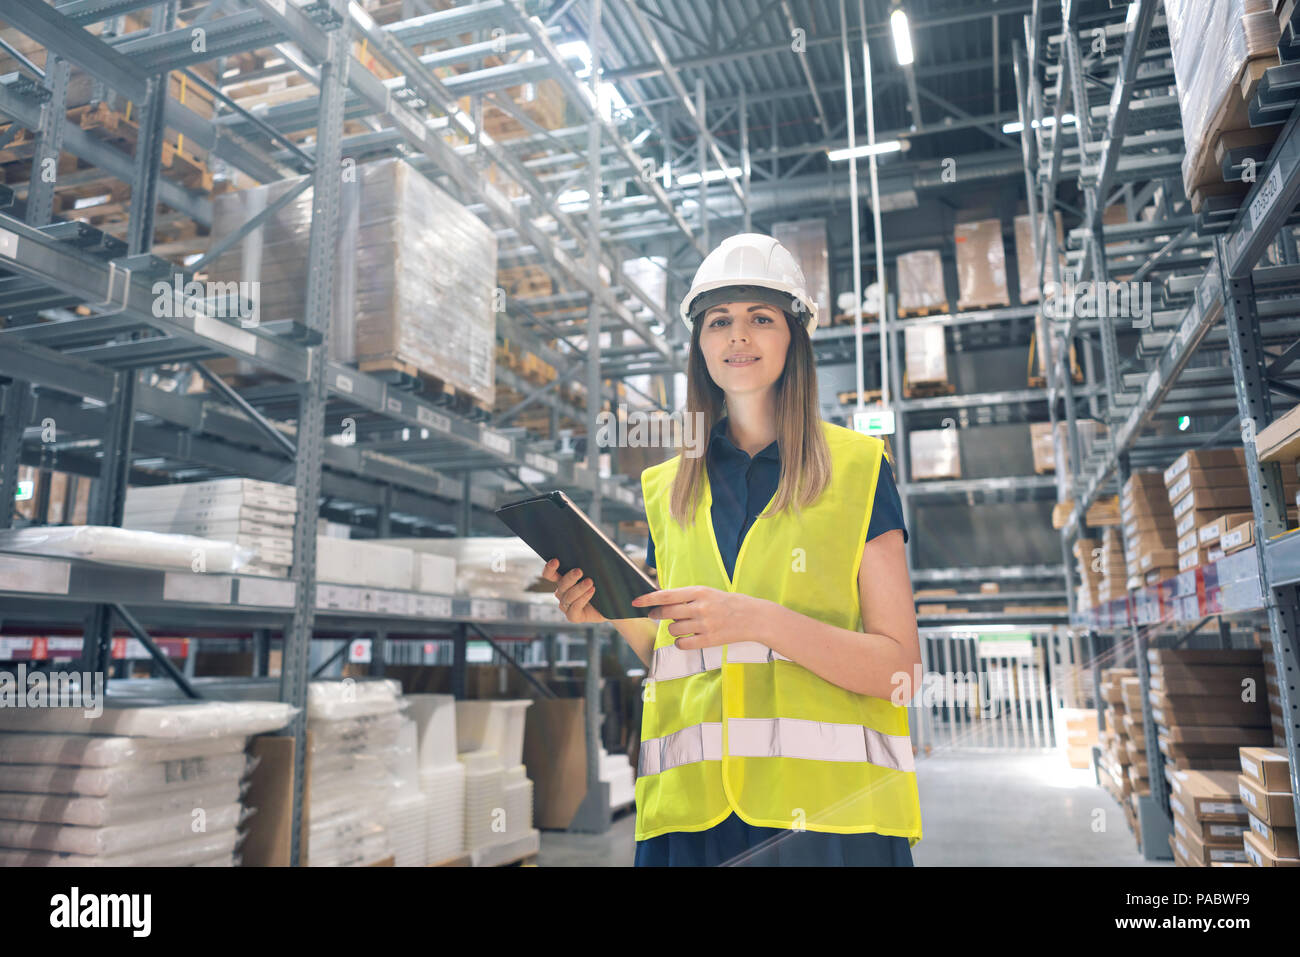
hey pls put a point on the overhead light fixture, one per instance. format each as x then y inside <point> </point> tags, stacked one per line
<point>902,36</point>
<point>889,146</point>
<point>710,176</point>
<point>641,137</point>
<point>1015,126</point>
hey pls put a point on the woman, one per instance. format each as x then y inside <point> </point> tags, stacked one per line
<point>781,633</point>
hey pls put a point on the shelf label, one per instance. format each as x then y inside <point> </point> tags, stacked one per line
<point>435,420</point>
<point>1268,192</point>
<point>539,612</point>
<point>34,574</point>
<point>541,462</point>
<point>266,592</point>
<point>338,596</point>
<point>494,440</point>
<point>487,608</point>
<point>359,650</point>
<point>198,589</point>
<point>343,383</point>
<point>393,404</point>
<point>432,606</point>
<point>8,244</point>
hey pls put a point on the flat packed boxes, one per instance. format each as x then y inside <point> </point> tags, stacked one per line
<point>1147,522</point>
<point>1197,704</point>
<point>1265,789</point>
<point>936,454</point>
<point>255,515</point>
<point>1210,820</point>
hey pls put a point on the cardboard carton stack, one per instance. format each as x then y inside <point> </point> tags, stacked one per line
<point>1134,740</point>
<point>1275,713</point>
<point>1081,734</point>
<point>936,454</point>
<point>255,515</point>
<point>1112,567</point>
<point>981,265</point>
<point>925,357</point>
<point>1090,578</point>
<point>1203,485</point>
<point>1265,788</point>
<point>1040,439</point>
<point>1197,703</point>
<point>1115,756</point>
<point>1209,819</point>
<point>920,282</point>
<point>1148,523</point>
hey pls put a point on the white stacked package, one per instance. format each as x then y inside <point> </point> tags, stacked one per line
<point>488,567</point>
<point>355,727</point>
<point>408,806</point>
<point>134,786</point>
<point>517,799</point>
<point>616,770</point>
<point>492,726</point>
<point>255,515</point>
<point>125,546</point>
<point>349,561</point>
<point>441,776</point>
<point>484,798</point>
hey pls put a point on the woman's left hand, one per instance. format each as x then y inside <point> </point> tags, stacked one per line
<point>703,617</point>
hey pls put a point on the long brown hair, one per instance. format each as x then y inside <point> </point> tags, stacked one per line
<point>805,456</point>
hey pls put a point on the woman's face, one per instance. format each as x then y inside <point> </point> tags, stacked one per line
<point>744,346</point>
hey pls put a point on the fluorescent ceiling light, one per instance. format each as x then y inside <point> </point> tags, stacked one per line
<point>710,176</point>
<point>572,199</point>
<point>889,146</point>
<point>902,37</point>
<point>641,137</point>
<point>1015,126</point>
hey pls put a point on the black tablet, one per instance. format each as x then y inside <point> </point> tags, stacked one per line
<point>553,527</point>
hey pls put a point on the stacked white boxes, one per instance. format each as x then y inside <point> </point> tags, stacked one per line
<point>484,798</point>
<point>441,776</point>
<point>258,516</point>
<point>125,789</point>
<point>616,770</point>
<point>498,793</point>
<point>408,809</point>
<point>355,728</point>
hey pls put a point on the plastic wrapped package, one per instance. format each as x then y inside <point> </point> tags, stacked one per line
<point>492,567</point>
<point>925,355</point>
<point>122,546</point>
<point>405,290</point>
<point>1027,256</point>
<point>92,751</point>
<point>375,565</point>
<point>806,240</point>
<point>350,698</point>
<point>920,280</point>
<point>650,274</point>
<point>104,811</point>
<point>408,828</point>
<point>935,454</point>
<point>484,794</point>
<point>213,848</point>
<point>1210,43</point>
<point>445,788</point>
<point>981,264</point>
<point>124,780</point>
<point>118,838</point>
<point>197,720</point>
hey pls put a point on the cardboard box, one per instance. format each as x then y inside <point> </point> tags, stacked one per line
<point>1199,854</point>
<point>1204,656</point>
<point>1027,234</point>
<point>1280,841</point>
<point>1040,440</point>
<point>1216,528</point>
<point>1208,499</point>
<point>1279,441</point>
<point>1241,536</point>
<point>981,264</point>
<point>1274,808</point>
<point>1214,833</point>
<point>1204,459</point>
<point>555,753</point>
<point>920,280</point>
<point>1261,856</point>
<point>270,790</point>
<point>936,454</point>
<point>1207,796</point>
<point>1268,767</point>
<point>925,355</point>
<point>1207,478</point>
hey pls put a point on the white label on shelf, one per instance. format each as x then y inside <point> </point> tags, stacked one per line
<point>8,244</point>
<point>1259,827</point>
<point>226,334</point>
<point>538,612</point>
<point>487,608</point>
<point>266,592</point>
<point>359,650</point>
<point>1223,807</point>
<point>432,606</point>
<point>34,574</point>
<point>200,589</point>
<point>1158,716</point>
<point>1248,796</point>
<point>392,404</point>
<point>1232,539</point>
<point>1268,191</point>
<point>1250,767</point>
<point>343,383</point>
<point>1178,826</point>
<point>1254,855</point>
<point>393,602</point>
<point>494,440</point>
<point>338,596</point>
<point>435,420</point>
<point>542,463</point>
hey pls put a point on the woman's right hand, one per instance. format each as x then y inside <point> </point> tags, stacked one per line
<point>573,592</point>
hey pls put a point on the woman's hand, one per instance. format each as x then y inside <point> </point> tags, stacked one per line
<point>573,592</point>
<point>703,617</point>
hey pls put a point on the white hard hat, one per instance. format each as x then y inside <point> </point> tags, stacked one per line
<point>755,261</point>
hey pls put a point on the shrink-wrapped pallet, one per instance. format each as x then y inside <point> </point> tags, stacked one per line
<point>806,240</point>
<point>981,264</point>
<point>920,280</point>
<point>935,454</point>
<point>925,357</point>
<point>1027,257</point>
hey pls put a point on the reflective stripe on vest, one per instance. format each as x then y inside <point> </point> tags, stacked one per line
<point>777,738</point>
<point>672,662</point>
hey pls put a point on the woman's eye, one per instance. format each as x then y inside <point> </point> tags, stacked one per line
<point>717,322</point>
<point>763,318</point>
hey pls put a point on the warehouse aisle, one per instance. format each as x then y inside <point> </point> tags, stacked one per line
<point>978,808</point>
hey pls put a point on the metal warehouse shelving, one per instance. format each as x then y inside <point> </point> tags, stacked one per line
<point>415,457</point>
<point>1169,371</point>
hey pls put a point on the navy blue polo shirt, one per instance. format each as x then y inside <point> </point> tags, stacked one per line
<point>742,486</point>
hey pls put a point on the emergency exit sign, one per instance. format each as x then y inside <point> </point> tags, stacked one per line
<point>874,422</point>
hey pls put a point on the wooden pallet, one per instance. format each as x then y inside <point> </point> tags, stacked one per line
<point>982,306</point>
<point>927,390</point>
<point>847,318</point>
<point>916,312</point>
<point>869,397</point>
<point>424,383</point>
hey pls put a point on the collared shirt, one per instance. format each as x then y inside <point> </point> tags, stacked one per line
<point>743,485</point>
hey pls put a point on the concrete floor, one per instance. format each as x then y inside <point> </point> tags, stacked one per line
<point>998,808</point>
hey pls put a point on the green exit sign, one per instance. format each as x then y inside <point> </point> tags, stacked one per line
<point>874,422</point>
<point>25,490</point>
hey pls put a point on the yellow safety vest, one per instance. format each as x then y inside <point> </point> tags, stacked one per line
<point>741,728</point>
